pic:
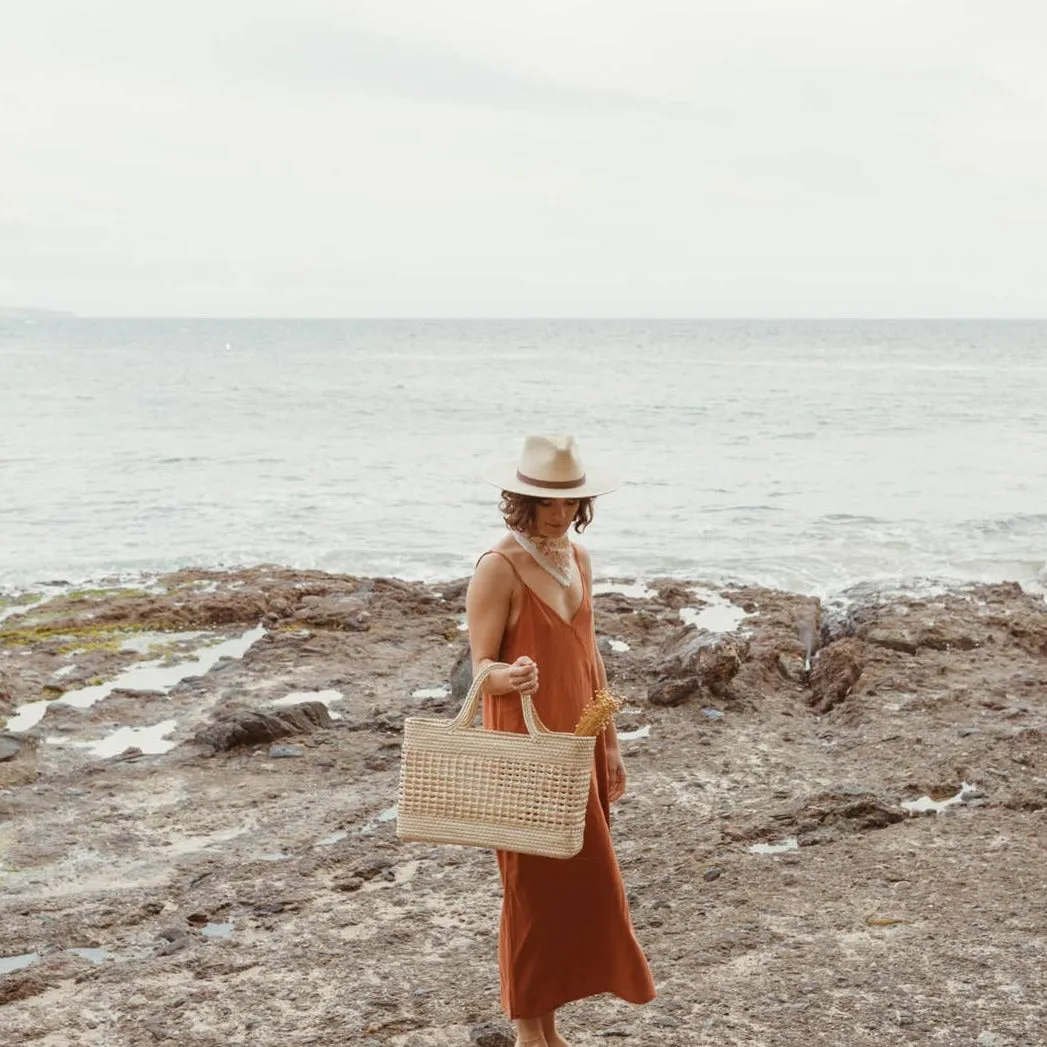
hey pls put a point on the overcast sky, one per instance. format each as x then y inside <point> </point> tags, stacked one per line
<point>475,157</point>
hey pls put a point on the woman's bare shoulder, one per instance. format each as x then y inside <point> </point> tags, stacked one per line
<point>494,568</point>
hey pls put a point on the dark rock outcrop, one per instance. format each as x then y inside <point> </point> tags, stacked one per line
<point>836,670</point>
<point>253,727</point>
<point>692,660</point>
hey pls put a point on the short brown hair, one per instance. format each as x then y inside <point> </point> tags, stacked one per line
<point>518,511</point>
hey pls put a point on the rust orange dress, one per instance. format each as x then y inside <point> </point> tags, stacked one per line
<point>565,929</point>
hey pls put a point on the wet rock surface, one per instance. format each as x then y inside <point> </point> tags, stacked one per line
<point>253,727</point>
<point>834,830</point>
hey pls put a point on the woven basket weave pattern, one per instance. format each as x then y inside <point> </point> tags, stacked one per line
<point>518,792</point>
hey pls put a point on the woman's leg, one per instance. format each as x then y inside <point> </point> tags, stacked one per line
<point>529,1033</point>
<point>552,1037</point>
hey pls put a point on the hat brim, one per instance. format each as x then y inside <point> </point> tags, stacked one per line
<point>505,477</point>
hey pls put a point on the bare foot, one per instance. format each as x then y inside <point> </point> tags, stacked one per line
<point>537,1041</point>
<point>557,1041</point>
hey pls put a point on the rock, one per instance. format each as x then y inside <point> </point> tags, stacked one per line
<point>348,884</point>
<point>491,1034</point>
<point>462,675</point>
<point>1029,630</point>
<point>674,595</point>
<point>7,697</point>
<point>132,752</point>
<point>370,869</point>
<point>836,671</point>
<point>345,613</point>
<point>175,940</point>
<point>712,874</point>
<point>848,810</point>
<point>676,673</point>
<point>13,989</point>
<point>252,727</point>
<point>893,636</point>
<point>691,660</point>
<point>10,747</point>
<point>673,692</point>
<point>719,665</point>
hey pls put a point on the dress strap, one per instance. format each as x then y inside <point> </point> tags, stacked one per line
<point>587,582</point>
<point>495,552</point>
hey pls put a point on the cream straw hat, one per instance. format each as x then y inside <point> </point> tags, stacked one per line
<point>549,467</point>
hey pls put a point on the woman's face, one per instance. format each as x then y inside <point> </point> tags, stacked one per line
<point>552,516</point>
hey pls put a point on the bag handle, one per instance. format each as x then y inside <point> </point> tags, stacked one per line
<point>463,721</point>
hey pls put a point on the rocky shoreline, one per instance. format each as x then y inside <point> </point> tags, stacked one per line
<point>835,829</point>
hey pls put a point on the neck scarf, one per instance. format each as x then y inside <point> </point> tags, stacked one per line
<point>553,555</point>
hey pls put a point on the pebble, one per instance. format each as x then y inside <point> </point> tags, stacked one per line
<point>712,874</point>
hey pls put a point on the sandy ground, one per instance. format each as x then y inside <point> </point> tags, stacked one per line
<point>257,894</point>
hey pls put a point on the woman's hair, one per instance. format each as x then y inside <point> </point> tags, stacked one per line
<point>518,511</point>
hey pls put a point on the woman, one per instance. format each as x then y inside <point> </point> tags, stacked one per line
<point>565,928</point>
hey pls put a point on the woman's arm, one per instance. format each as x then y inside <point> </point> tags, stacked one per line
<point>615,765</point>
<point>610,736</point>
<point>488,602</point>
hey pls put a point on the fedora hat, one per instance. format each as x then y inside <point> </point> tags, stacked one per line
<point>550,467</point>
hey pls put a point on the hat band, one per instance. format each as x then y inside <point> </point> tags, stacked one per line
<point>552,485</point>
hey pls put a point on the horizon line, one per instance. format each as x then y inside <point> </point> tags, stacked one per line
<point>29,313</point>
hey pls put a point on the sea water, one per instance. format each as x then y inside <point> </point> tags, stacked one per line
<point>802,454</point>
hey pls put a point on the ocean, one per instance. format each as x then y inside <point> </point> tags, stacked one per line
<point>807,455</point>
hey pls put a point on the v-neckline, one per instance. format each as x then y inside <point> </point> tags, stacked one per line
<point>569,622</point>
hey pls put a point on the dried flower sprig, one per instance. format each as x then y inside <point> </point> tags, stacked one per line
<point>598,713</point>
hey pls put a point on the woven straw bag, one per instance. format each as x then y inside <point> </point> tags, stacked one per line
<point>514,792</point>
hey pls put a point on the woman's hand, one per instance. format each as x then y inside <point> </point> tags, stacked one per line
<point>523,676</point>
<point>616,776</point>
